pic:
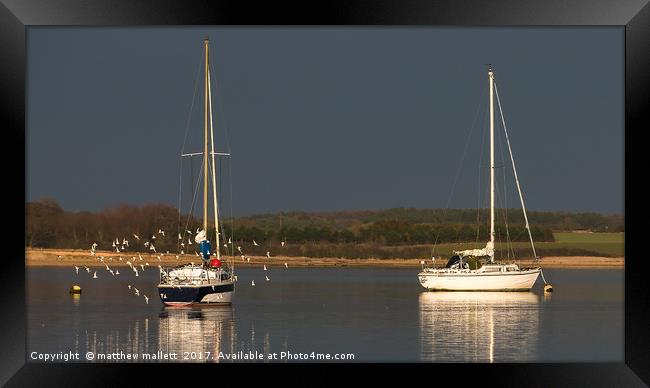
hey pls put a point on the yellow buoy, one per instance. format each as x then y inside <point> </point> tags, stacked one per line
<point>75,289</point>
<point>548,288</point>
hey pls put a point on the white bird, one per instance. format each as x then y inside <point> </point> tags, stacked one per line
<point>136,271</point>
<point>235,277</point>
<point>179,237</point>
<point>129,286</point>
<point>253,283</point>
<point>196,253</point>
<point>183,244</point>
<point>146,299</point>
<point>139,256</point>
<point>95,275</point>
<point>137,292</point>
<point>248,259</point>
<point>136,236</point>
<point>117,249</point>
<point>225,245</point>
<point>189,242</point>
<point>117,272</point>
<point>87,269</point>
<point>285,265</point>
<point>265,267</point>
<point>76,269</point>
<point>239,249</point>
<point>112,272</point>
<point>268,254</point>
<point>243,258</point>
<point>152,248</point>
<point>267,278</point>
<point>130,265</point>
<point>120,258</point>
<point>114,244</point>
<point>182,252</point>
<point>188,231</point>
<point>255,243</point>
<point>146,244</point>
<point>282,243</point>
<point>142,266</point>
<point>145,263</point>
<point>108,269</point>
<point>229,240</point>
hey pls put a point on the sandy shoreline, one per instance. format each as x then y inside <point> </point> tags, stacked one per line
<point>60,257</point>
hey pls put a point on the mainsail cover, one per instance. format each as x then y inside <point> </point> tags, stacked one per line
<point>487,251</point>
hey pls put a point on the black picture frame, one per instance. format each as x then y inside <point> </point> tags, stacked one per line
<point>632,15</point>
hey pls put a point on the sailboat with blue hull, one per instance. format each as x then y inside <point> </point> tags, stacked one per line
<point>212,281</point>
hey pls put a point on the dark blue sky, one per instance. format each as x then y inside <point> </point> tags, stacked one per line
<point>330,118</point>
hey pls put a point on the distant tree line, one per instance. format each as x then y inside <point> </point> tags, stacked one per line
<point>49,226</point>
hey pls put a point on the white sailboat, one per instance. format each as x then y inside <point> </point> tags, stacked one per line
<point>211,282</point>
<point>457,275</point>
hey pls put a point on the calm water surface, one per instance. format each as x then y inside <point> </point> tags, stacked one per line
<point>375,314</point>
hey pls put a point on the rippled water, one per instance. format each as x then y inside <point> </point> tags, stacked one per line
<point>375,314</point>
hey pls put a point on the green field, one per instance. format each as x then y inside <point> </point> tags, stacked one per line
<point>566,244</point>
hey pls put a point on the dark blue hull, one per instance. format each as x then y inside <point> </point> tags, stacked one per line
<point>188,295</point>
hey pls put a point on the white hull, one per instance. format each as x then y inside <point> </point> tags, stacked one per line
<point>476,281</point>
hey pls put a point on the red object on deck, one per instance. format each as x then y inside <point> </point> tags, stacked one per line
<point>215,263</point>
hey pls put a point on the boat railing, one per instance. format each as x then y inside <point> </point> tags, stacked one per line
<point>203,277</point>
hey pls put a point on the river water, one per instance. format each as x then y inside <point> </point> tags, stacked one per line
<point>306,314</point>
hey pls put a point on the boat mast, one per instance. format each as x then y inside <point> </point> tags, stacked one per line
<point>491,77</point>
<point>217,248</point>
<point>205,149</point>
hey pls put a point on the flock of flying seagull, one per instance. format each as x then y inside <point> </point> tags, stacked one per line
<point>121,247</point>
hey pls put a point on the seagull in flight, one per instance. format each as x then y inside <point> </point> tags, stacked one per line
<point>136,236</point>
<point>255,243</point>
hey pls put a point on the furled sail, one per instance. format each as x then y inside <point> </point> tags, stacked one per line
<point>487,251</point>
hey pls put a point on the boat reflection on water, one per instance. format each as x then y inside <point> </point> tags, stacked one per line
<point>478,326</point>
<point>197,333</point>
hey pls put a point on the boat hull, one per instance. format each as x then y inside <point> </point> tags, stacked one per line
<point>187,295</point>
<point>472,281</point>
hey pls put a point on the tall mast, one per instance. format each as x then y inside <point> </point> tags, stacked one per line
<point>491,77</point>
<point>205,149</point>
<point>217,248</point>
